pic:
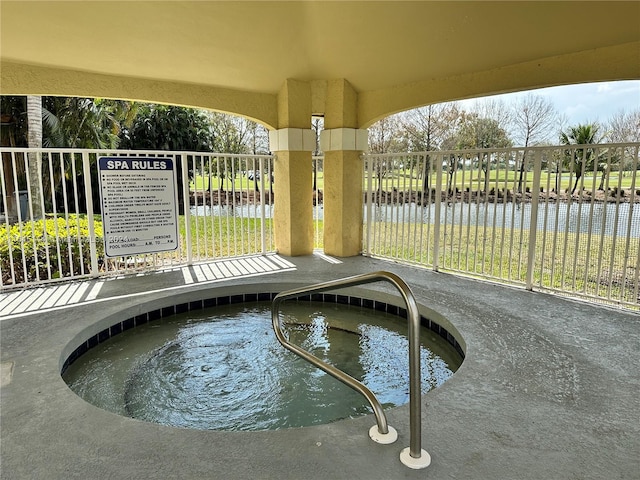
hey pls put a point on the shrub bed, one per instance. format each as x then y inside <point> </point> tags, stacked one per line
<point>51,248</point>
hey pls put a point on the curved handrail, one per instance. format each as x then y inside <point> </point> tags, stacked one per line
<point>415,450</point>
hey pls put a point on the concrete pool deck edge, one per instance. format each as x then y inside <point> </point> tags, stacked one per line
<point>548,390</point>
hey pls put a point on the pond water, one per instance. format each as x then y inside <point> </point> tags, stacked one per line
<point>600,218</point>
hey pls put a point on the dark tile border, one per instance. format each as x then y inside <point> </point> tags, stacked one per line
<point>133,322</point>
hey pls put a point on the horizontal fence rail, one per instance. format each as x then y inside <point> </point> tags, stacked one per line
<point>564,219</point>
<point>50,213</point>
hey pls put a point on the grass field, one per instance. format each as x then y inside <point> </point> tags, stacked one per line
<point>407,180</point>
<point>217,237</point>
<point>590,266</point>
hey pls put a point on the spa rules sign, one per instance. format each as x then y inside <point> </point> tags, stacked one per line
<point>138,205</point>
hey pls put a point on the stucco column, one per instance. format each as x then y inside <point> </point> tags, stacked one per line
<point>342,144</point>
<point>292,144</point>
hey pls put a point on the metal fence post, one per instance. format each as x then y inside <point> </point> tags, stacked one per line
<point>437,213</point>
<point>369,172</point>
<point>187,207</point>
<point>88,194</point>
<point>263,236</point>
<point>533,221</point>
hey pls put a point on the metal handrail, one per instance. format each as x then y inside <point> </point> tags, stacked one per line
<point>416,458</point>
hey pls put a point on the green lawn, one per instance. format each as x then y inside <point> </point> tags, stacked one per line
<point>404,180</point>
<point>565,261</point>
<point>241,182</point>
<point>216,237</point>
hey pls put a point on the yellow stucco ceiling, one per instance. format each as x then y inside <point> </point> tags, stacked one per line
<point>254,47</point>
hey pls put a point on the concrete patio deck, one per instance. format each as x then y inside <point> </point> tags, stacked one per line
<point>549,388</point>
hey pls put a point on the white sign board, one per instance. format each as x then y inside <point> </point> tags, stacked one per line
<point>138,205</point>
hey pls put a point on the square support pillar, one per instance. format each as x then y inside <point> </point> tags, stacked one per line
<point>292,144</point>
<point>342,142</point>
<point>343,203</point>
<point>293,207</point>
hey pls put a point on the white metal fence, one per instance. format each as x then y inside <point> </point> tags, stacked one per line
<point>50,226</point>
<point>564,219</point>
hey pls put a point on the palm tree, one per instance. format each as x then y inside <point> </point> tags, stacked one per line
<point>57,122</point>
<point>34,162</point>
<point>85,122</point>
<point>579,159</point>
<point>73,122</point>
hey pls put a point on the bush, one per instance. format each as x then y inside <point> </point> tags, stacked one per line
<point>33,248</point>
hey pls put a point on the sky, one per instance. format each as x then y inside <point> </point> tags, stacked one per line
<point>588,102</point>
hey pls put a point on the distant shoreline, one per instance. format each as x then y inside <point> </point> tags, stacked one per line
<point>236,198</point>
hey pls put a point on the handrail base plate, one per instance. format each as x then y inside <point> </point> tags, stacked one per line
<point>383,438</point>
<point>416,463</point>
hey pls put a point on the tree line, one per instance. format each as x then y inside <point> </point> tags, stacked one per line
<point>70,122</point>
<point>532,120</point>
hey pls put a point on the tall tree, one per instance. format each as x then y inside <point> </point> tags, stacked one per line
<point>14,121</point>
<point>482,133</point>
<point>623,127</point>
<point>234,134</point>
<point>13,133</point>
<point>533,119</point>
<point>494,109</point>
<point>230,133</point>
<point>77,122</point>
<point>34,161</point>
<point>161,127</point>
<point>384,136</point>
<point>259,140</point>
<point>74,122</point>
<point>168,127</point>
<point>429,128</point>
